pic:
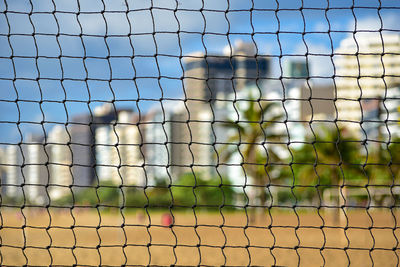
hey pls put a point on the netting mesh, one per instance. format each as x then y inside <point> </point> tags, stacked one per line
<point>199,132</point>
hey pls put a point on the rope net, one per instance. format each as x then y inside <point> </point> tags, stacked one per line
<point>199,132</point>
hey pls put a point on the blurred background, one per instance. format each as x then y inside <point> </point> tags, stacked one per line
<point>166,106</point>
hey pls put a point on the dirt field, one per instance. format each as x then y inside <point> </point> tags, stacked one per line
<point>77,239</point>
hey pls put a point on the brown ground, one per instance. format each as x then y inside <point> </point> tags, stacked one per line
<point>259,240</point>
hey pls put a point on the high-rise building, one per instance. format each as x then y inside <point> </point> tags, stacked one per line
<point>366,67</point>
<point>167,143</point>
<point>26,171</point>
<point>302,105</point>
<point>103,153</point>
<point>3,172</point>
<point>130,152</point>
<point>60,160</point>
<point>82,129</point>
<point>14,163</point>
<point>36,171</point>
<point>295,69</point>
<point>191,143</point>
<point>192,149</point>
<point>118,150</point>
<point>158,143</point>
<point>209,79</point>
<point>82,140</point>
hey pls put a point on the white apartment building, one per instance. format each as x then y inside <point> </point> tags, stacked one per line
<point>365,69</point>
<point>103,153</point>
<point>36,173</point>
<point>174,146</point>
<point>13,160</point>
<point>118,154</point>
<point>130,154</point>
<point>157,147</point>
<point>3,174</point>
<point>60,157</point>
<point>26,166</point>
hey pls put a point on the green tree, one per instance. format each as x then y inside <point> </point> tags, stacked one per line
<point>187,192</point>
<point>394,154</point>
<point>327,160</point>
<point>208,194</point>
<point>383,168</point>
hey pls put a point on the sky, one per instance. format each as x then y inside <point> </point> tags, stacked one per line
<point>34,59</point>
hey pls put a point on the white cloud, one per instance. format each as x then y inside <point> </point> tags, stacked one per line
<point>374,23</point>
<point>320,26</point>
<point>140,18</point>
<point>369,27</point>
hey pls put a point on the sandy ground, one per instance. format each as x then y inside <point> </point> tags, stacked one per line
<point>84,237</point>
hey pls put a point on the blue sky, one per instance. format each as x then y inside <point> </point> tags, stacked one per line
<point>135,27</point>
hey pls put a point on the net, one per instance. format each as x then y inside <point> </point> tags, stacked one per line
<point>232,133</point>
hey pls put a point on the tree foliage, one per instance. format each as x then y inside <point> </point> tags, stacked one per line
<point>188,191</point>
<point>254,132</point>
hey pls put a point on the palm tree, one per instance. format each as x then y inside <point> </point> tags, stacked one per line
<point>327,160</point>
<point>252,132</point>
<point>394,155</point>
<point>383,168</point>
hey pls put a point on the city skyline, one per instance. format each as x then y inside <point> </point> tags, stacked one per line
<point>144,92</point>
<point>119,146</point>
<point>115,99</point>
<point>199,132</point>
